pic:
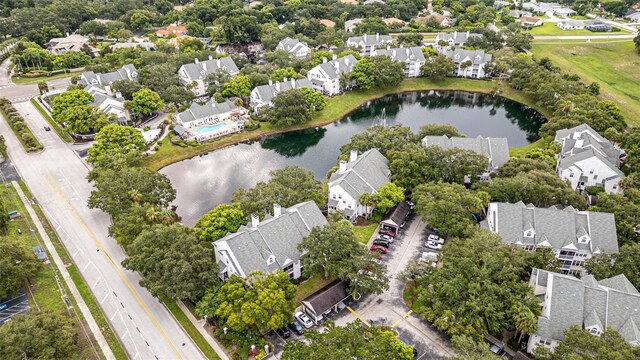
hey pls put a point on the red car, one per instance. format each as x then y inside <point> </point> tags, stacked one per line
<point>379,248</point>
<point>387,232</point>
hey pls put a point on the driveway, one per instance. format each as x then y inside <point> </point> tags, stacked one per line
<point>390,309</point>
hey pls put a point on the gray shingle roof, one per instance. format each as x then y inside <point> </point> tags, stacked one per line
<point>369,40</point>
<point>267,92</point>
<point>495,149</point>
<point>211,108</point>
<point>291,45</point>
<point>558,227</point>
<point>461,55</point>
<point>587,153</point>
<point>365,174</point>
<point>403,54</point>
<point>336,67</point>
<point>326,297</point>
<point>572,301</point>
<point>127,72</point>
<point>457,36</point>
<point>277,236</point>
<point>582,138</point>
<point>200,69</point>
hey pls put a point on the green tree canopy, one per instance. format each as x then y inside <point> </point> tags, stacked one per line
<point>126,88</point>
<point>579,344</point>
<point>439,68</point>
<point>438,130</point>
<point>380,137</point>
<point>477,288</point>
<point>388,196</point>
<point>38,335</point>
<point>284,73</point>
<point>17,264</point>
<point>215,224</point>
<point>377,71</point>
<point>238,86</point>
<point>315,99</point>
<point>145,101</point>
<point>353,341</point>
<point>625,262</point>
<point>172,262</point>
<point>69,99</point>
<point>115,146</point>
<point>128,224</point>
<point>85,119</point>
<point>289,108</point>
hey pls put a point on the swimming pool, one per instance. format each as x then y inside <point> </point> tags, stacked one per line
<point>204,130</point>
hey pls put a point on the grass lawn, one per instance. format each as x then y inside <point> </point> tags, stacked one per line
<point>92,304</point>
<point>34,80</point>
<point>550,29</point>
<point>310,286</point>
<point>363,233</point>
<point>408,294</point>
<point>191,329</point>
<point>337,107</point>
<point>63,134</point>
<point>522,151</point>
<point>614,66</point>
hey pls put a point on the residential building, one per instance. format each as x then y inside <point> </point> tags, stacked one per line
<point>252,50</point>
<point>328,23</point>
<point>175,29</point>
<point>394,23</point>
<point>593,25</point>
<point>564,11</point>
<point>439,19</point>
<point>494,149</point>
<point>575,236</point>
<point>109,102</point>
<point>369,43</point>
<point>148,46</point>
<point>325,77</point>
<point>362,174</point>
<point>499,4</point>
<point>476,59</point>
<point>210,113</point>
<point>105,80</point>
<point>261,95</point>
<point>541,7</point>
<point>295,47</point>
<point>590,304</point>
<point>413,57</point>
<point>350,25</point>
<point>270,244</point>
<point>633,16</point>
<point>588,159</point>
<point>520,13</point>
<point>73,42</point>
<point>194,75</point>
<point>456,38</point>
<point>527,21</point>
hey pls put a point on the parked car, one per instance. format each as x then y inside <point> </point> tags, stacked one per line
<point>387,232</point>
<point>433,245</point>
<point>434,229</point>
<point>46,128</point>
<point>284,332</point>
<point>381,242</point>
<point>429,256</point>
<point>386,237</point>
<point>379,248</point>
<point>303,319</point>
<point>497,348</point>
<point>296,328</point>
<point>436,238</point>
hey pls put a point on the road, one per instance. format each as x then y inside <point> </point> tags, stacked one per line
<point>390,309</point>
<point>583,37</point>
<point>18,93</point>
<point>56,177</point>
<point>614,23</point>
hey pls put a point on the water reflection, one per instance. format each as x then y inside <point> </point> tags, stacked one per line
<point>208,180</point>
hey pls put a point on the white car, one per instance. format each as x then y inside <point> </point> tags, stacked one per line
<point>304,319</point>
<point>386,237</point>
<point>436,238</point>
<point>433,245</point>
<point>429,256</point>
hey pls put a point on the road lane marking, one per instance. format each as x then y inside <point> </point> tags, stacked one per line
<point>114,314</point>
<point>58,191</point>
<point>76,252</point>
<point>124,335</point>
<point>402,318</point>
<point>105,298</point>
<point>68,238</point>
<point>358,316</point>
<point>97,282</point>
<point>86,266</point>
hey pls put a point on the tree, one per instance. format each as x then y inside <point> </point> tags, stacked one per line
<point>362,73</point>
<point>353,341</point>
<point>115,146</point>
<point>469,349</point>
<point>128,224</point>
<point>93,27</point>
<point>315,99</point>
<point>626,209</point>
<point>368,201</point>
<point>69,99</point>
<point>126,88</point>
<point>43,87</point>
<point>408,40</point>
<point>636,41</point>
<point>238,86</point>
<point>409,166</point>
<point>259,301</point>
<point>625,262</point>
<point>215,224</point>
<point>438,68</point>
<point>388,196</point>
<point>438,130</point>
<point>464,66</point>
<point>3,146</point>
<point>172,262</point>
<point>289,108</point>
<point>616,7</point>
<point>123,35</point>
<point>449,207</point>
<point>71,59</point>
<point>379,137</point>
<point>525,320</point>
<point>145,101</point>
<point>579,344</point>
<point>371,25</point>
<point>17,265</point>
<point>415,268</point>
<point>114,189</point>
<point>85,119</point>
<point>489,270</point>
<point>288,186</point>
<point>286,73</point>
<point>377,71</point>
<point>38,335</point>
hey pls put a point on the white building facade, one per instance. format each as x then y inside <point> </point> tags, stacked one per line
<point>194,76</point>
<point>325,77</point>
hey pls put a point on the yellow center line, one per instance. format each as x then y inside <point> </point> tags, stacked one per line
<point>358,316</point>
<point>402,318</point>
<point>56,188</point>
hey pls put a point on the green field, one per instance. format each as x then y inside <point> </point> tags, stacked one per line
<point>550,29</point>
<point>364,233</point>
<point>21,80</point>
<point>614,66</point>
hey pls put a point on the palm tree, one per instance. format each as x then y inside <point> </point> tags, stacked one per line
<point>167,217</point>
<point>525,320</point>
<point>367,200</point>
<point>153,215</point>
<point>464,66</point>
<point>135,196</point>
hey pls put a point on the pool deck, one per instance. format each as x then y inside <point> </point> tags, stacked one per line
<point>217,130</point>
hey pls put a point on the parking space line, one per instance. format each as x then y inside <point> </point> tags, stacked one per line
<point>402,318</point>
<point>358,316</point>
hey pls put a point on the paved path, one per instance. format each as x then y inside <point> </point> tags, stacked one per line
<point>200,325</point>
<point>57,178</point>
<point>390,309</point>
<point>95,329</point>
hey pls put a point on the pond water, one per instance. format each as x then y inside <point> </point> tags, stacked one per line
<point>208,180</point>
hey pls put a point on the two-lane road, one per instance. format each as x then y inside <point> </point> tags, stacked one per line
<point>56,177</point>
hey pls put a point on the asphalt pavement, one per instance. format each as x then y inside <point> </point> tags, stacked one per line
<point>56,178</point>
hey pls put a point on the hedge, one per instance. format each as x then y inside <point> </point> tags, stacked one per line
<point>19,127</point>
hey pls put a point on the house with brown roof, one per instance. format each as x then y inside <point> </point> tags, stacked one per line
<point>177,30</point>
<point>530,21</point>
<point>328,23</point>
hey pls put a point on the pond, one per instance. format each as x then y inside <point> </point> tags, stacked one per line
<point>208,180</point>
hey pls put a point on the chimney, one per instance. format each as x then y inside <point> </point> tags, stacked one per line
<point>293,83</point>
<point>118,94</point>
<point>255,220</point>
<point>455,34</point>
<point>401,46</point>
<point>277,86</point>
<point>393,53</point>
<point>334,56</point>
<point>343,167</point>
<point>388,47</point>
<point>277,210</point>
<point>270,82</point>
<point>353,156</point>
<point>324,60</point>
<point>337,66</point>
<point>467,33</point>
<point>107,88</point>
<point>196,61</point>
<point>377,36</point>
<point>364,38</point>
<point>285,79</point>
<point>210,57</point>
<point>219,63</point>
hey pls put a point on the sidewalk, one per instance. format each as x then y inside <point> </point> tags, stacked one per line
<point>200,325</point>
<point>104,346</point>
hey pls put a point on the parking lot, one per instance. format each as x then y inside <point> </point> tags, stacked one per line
<point>389,308</point>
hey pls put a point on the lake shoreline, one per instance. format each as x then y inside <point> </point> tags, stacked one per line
<point>337,108</point>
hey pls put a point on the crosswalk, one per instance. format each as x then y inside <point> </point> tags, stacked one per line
<point>7,86</point>
<point>20,99</point>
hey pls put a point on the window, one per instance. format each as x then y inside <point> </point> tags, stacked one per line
<point>571,175</point>
<point>339,196</point>
<point>591,172</point>
<point>344,201</point>
<point>595,177</point>
<point>615,186</point>
<point>546,342</point>
<point>288,268</point>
